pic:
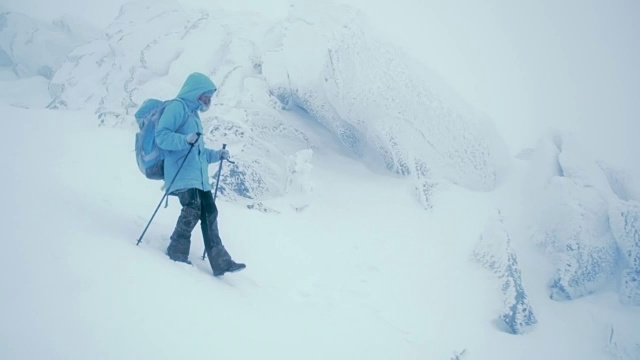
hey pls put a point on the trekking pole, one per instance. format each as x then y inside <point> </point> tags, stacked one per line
<point>166,193</point>
<point>215,192</point>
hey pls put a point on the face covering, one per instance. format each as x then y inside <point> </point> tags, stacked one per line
<point>204,106</point>
<point>205,101</point>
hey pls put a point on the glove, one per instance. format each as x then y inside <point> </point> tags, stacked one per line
<point>192,138</point>
<point>224,154</point>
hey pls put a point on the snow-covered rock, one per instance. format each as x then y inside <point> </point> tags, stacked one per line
<point>576,232</point>
<point>585,216</point>
<point>106,73</point>
<point>495,253</point>
<point>630,287</point>
<point>623,184</point>
<point>624,218</point>
<point>150,49</point>
<point>568,196</point>
<point>30,47</point>
<point>375,100</point>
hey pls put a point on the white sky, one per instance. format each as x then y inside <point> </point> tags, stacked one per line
<point>529,65</point>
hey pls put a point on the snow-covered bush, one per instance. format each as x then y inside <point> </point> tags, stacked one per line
<point>495,253</point>
<point>299,179</point>
<point>32,47</point>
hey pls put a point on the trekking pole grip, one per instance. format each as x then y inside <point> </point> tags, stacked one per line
<point>224,146</point>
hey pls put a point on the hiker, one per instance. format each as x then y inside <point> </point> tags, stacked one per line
<point>175,137</point>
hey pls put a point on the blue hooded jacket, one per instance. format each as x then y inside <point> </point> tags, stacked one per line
<point>172,138</point>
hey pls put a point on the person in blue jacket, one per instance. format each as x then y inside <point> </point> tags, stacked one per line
<point>175,136</point>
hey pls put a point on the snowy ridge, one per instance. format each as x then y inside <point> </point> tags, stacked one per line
<point>31,47</point>
<point>379,105</point>
<point>377,101</point>
<point>105,73</point>
<point>168,38</point>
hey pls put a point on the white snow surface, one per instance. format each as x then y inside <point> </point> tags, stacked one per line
<point>360,271</point>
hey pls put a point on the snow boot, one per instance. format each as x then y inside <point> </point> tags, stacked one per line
<point>188,262</point>
<point>221,262</point>
<point>178,257</point>
<point>235,267</point>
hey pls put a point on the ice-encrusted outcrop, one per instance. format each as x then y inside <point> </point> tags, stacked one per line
<point>495,252</point>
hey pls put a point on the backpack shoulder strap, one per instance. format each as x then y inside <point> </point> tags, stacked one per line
<point>186,113</point>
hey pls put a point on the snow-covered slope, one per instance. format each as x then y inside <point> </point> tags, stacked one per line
<point>341,279</point>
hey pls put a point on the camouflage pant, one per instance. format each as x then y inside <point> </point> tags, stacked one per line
<point>198,205</point>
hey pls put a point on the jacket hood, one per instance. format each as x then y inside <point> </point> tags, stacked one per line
<point>195,85</point>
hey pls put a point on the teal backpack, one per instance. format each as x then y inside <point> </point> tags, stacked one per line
<point>149,156</point>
